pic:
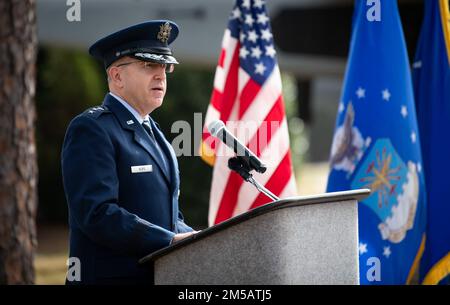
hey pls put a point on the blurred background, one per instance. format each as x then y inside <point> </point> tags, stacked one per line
<point>311,39</point>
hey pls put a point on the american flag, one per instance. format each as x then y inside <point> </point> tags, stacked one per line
<point>247,97</point>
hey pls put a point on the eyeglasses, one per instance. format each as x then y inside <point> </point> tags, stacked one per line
<point>151,66</point>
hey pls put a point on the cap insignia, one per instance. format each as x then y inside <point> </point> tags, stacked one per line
<point>164,32</point>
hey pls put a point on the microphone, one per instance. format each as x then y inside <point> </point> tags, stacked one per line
<point>217,129</point>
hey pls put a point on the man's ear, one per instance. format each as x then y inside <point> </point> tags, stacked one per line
<point>115,76</point>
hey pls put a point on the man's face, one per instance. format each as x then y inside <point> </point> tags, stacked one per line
<point>144,83</point>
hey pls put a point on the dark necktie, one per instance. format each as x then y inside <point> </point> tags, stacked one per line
<point>148,128</point>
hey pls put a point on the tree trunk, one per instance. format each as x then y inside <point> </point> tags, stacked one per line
<point>18,166</point>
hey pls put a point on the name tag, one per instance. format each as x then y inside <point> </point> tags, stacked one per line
<point>141,169</point>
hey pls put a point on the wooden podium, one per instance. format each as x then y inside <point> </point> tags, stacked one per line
<point>300,240</point>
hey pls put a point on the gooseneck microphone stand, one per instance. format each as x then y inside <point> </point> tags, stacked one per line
<point>243,167</point>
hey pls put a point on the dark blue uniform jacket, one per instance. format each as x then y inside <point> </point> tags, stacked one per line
<point>116,216</point>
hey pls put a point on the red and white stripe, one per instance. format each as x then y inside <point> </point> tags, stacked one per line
<point>247,109</point>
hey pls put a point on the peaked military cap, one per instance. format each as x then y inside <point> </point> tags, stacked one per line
<point>148,41</point>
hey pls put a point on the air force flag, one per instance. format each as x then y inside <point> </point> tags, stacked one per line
<point>431,76</point>
<point>376,145</point>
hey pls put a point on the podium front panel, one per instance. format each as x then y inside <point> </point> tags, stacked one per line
<point>303,244</point>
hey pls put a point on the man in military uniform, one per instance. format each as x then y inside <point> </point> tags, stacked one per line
<point>120,174</point>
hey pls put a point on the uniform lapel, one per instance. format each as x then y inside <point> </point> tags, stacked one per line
<point>168,150</point>
<point>175,181</point>
<point>128,122</point>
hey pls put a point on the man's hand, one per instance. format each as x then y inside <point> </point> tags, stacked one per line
<point>181,236</point>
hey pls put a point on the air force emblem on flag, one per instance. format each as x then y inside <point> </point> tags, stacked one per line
<point>395,189</point>
<point>348,144</point>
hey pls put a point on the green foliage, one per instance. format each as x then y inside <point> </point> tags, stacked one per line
<point>298,134</point>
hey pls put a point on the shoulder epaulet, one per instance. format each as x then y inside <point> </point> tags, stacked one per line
<point>96,111</point>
